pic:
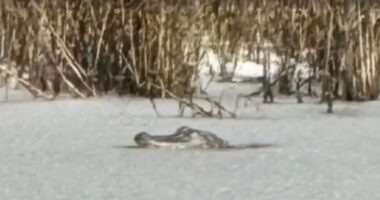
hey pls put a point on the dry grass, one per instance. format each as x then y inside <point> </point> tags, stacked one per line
<point>152,47</point>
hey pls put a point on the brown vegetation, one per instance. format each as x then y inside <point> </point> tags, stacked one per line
<point>152,48</point>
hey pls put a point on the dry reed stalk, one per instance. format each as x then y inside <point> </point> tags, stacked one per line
<point>36,92</point>
<point>75,66</point>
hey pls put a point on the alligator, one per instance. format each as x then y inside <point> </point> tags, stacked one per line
<point>186,137</point>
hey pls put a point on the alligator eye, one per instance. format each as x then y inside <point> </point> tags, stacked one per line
<point>182,129</point>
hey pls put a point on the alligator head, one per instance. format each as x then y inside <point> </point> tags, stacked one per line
<point>184,137</point>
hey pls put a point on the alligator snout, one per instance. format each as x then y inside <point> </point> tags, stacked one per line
<point>143,139</point>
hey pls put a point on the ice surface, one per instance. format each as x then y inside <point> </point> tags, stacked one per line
<point>74,149</point>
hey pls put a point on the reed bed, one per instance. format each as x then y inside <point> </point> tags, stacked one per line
<point>152,48</point>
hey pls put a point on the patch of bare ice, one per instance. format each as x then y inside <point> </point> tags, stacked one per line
<point>74,149</point>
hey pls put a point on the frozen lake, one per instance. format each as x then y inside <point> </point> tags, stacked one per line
<point>75,149</point>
